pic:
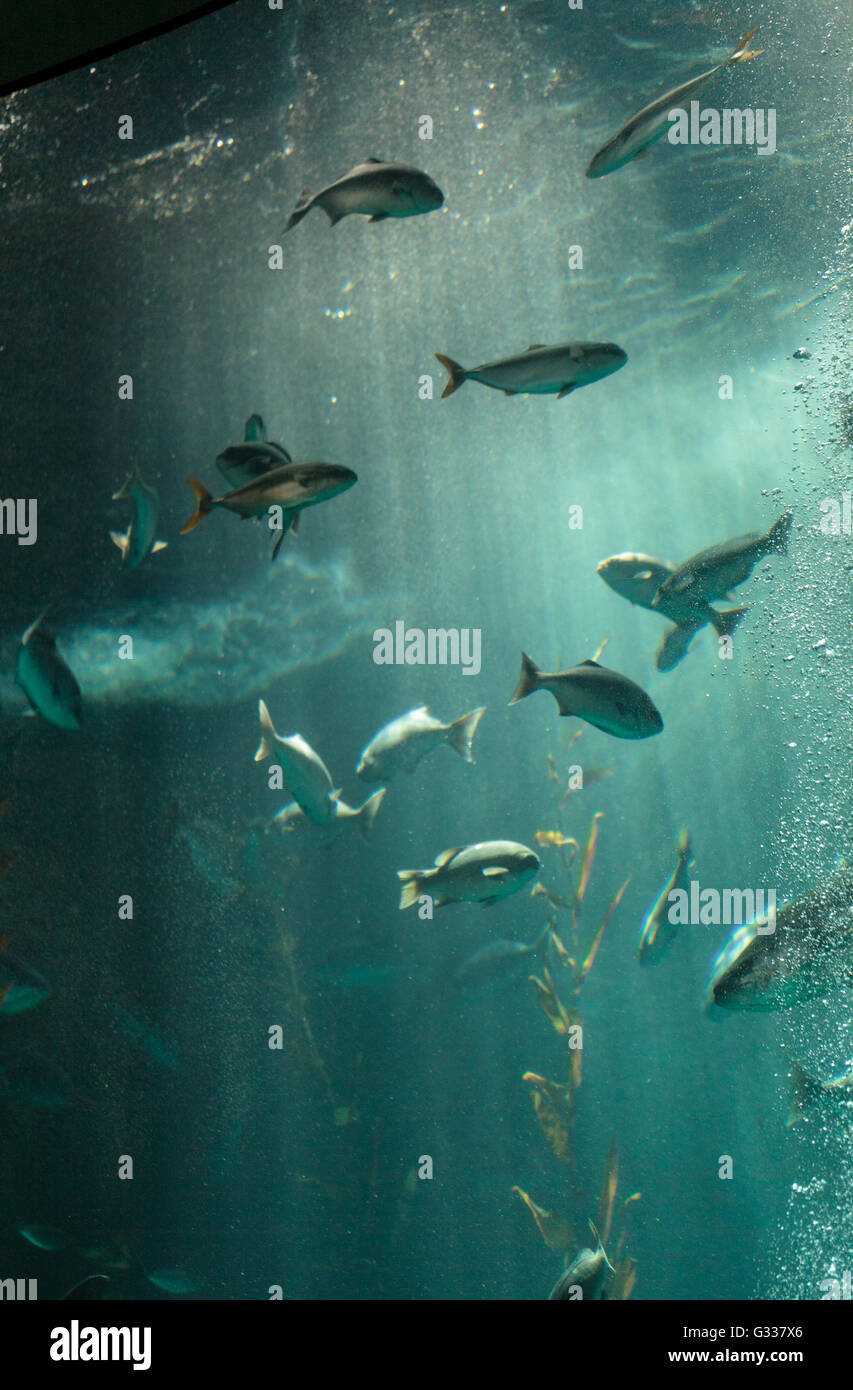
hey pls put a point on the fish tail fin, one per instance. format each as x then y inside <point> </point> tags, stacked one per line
<point>806,1093</point>
<point>743,52</point>
<point>412,881</point>
<point>122,541</point>
<point>457,374</point>
<point>780,533</point>
<point>685,849</point>
<point>367,813</point>
<point>460,734</point>
<point>727,620</point>
<point>303,205</point>
<point>204,501</point>
<point>267,743</point>
<point>528,681</point>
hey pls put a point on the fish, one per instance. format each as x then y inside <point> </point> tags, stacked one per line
<point>481,873</point>
<point>587,1273</point>
<point>657,932</point>
<point>140,538</point>
<point>609,701</point>
<point>174,1281</point>
<point>291,818</point>
<point>43,1237</point>
<point>711,573</point>
<point>541,370</point>
<point>498,959</point>
<point>400,745</point>
<point>652,122</point>
<point>305,774</point>
<point>242,463</point>
<point>291,487</point>
<point>93,1287</point>
<point>47,681</point>
<point>377,189</point>
<point>810,949</point>
<point>808,1091</point>
<point>21,986</point>
<point>638,578</point>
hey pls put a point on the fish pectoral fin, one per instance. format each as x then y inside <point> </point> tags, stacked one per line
<point>334,217</point>
<point>566,390</point>
<point>378,217</point>
<point>495,872</point>
<point>158,545</point>
<point>122,541</point>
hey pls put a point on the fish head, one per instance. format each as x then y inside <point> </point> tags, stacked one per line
<point>424,194</point>
<point>634,576</point>
<point>320,481</point>
<point>526,864</point>
<point>600,359</point>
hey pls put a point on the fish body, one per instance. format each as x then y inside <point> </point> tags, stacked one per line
<point>652,122</point>
<point>292,820</point>
<point>604,698</point>
<point>43,1237</point>
<point>400,745</point>
<point>94,1288</point>
<point>376,189</point>
<point>810,949</point>
<point>305,773</point>
<point>26,987</point>
<point>638,578</point>
<point>588,1272</point>
<point>657,932</point>
<point>498,960</point>
<point>480,873</point>
<point>47,681</point>
<point>140,538</point>
<point>713,572</point>
<point>541,370</point>
<point>242,463</point>
<point>808,1091</point>
<point>292,487</point>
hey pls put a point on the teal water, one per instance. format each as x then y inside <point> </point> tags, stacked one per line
<point>256,1167</point>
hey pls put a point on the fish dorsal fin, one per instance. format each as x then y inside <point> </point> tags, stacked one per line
<point>589,662</point>
<point>534,346</point>
<point>255,431</point>
<point>446,856</point>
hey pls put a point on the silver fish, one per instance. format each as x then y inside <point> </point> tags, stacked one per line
<point>292,487</point>
<point>657,932</point>
<point>305,773</point>
<point>480,873</point>
<point>637,578</point>
<point>652,122</point>
<point>140,537</point>
<point>810,949</point>
<point>540,370</point>
<point>48,683</point>
<point>712,573</point>
<point>400,745</point>
<point>377,189</point>
<point>604,698</point>
<point>292,820</point>
<point>587,1274</point>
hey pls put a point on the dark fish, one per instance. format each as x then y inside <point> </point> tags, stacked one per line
<point>657,932</point>
<point>713,572</point>
<point>46,680</point>
<point>499,959</point>
<point>808,1091</point>
<point>652,122</point>
<point>140,538</point>
<point>242,463</point>
<point>375,189</point>
<point>540,370</point>
<point>603,698</point>
<point>22,986</point>
<point>94,1287</point>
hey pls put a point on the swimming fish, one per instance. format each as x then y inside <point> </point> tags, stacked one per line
<point>480,873</point>
<point>657,932</point>
<point>808,1091</point>
<point>93,1287</point>
<point>292,818</point>
<point>140,537</point>
<point>306,775</point>
<point>498,959</point>
<point>604,698</point>
<point>540,370</point>
<point>242,463</point>
<point>43,1237</point>
<point>586,1276</point>
<point>637,578</point>
<point>21,987</point>
<point>374,188</point>
<point>713,572</point>
<point>176,1281</point>
<point>810,949</point>
<point>290,487</point>
<point>400,745</point>
<point>46,680</point>
<point>652,122</point>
